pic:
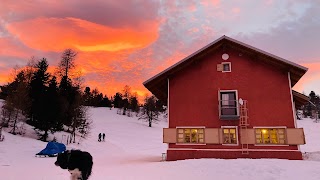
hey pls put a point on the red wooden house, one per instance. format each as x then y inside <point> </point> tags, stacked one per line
<point>231,100</point>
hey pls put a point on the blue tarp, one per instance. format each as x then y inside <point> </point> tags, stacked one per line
<point>52,148</point>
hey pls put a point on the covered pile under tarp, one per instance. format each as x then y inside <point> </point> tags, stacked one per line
<point>52,149</point>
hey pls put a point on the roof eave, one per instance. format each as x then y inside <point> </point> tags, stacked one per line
<point>183,60</point>
<point>296,70</point>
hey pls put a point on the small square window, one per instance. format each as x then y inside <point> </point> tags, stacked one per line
<point>226,67</point>
<point>229,136</point>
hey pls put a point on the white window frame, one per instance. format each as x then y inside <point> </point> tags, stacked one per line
<point>191,127</point>
<point>237,134</point>
<point>223,63</point>
<point>219,99</point>
<point>270,127</point>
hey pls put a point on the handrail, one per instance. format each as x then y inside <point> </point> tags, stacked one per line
<point>228,104</point>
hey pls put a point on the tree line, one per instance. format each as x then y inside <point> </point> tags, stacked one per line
<point>55,102</point>
<point>48,102</point>
<point>312,108</point>
<point>126,101</point>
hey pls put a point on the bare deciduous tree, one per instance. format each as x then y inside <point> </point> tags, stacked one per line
<point>67,62</point>
<point>126,97</point>
<point>149,110</point>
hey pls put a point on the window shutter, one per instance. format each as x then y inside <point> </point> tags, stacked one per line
<point>247,136</point>
<point>169,135</point>
<point>295,136</point>
<point>212,136</point>
<point>221,135</point>
<point>219,102</point>
<point>219,67</point>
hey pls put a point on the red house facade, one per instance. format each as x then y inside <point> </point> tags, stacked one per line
<point>230,100</point>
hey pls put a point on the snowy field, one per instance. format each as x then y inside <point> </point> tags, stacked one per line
<point>133,151</point>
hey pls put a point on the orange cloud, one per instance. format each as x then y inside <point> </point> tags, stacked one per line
<point>56,34</point>
<point>4,77</point>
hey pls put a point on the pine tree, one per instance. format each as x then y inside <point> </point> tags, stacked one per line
<point>134,103</point>
<point>74,114</point>
<point>50,115</point>
<point>39,97</point>
<point>54,111</point>
<point>96,98</point>
<point>105,102</point>
<point>87,97</point>
<point>117,100</point>
<point>160,106</point>
<point>17,101</point>
<point>66,65</point>
<point>66,98</point>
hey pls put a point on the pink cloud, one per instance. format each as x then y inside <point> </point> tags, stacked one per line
<point>236,10</point>
<point>311,80</point>
<point>111,13</point>
<point>10,47</point>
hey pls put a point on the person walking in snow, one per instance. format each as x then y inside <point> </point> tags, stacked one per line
<point>103,136</point>
<point>99,137</point>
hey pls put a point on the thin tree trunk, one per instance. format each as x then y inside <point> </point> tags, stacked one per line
<point>67,68</point>
<point>1,132</point>
<point>15,123</point>
<point>70,140</point>
<point>124,111</point>
<point>9,117</point>
<point>74,137</point>
<point>150,119</point>
<point>45,135</point>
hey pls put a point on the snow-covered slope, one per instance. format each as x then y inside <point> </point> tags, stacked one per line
<point>133,151</point>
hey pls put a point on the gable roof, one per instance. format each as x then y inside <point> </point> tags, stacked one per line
<point>158,84</point>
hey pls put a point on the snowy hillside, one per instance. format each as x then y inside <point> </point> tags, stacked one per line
<point>133,151</point>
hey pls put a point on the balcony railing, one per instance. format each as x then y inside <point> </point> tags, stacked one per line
<point>229,110</point>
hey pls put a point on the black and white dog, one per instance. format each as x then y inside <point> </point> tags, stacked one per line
<point>79,163</point>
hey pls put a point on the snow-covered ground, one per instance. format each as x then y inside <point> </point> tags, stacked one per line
<point>133,151</point>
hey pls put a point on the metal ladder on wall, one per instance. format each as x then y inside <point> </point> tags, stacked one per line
<point>244,126</point>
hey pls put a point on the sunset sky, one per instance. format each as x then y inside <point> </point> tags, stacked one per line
<point>125,42</point>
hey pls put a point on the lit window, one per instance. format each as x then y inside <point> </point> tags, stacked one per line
<point>188,135</point>
<point>229,136</point>
<point>228,104</point>
<point>270,136</point>
<point>226,67</point>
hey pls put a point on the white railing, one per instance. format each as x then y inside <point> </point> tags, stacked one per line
<point>229,108</point>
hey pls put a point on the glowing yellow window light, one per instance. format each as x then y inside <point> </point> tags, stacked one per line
<point>264,131</point>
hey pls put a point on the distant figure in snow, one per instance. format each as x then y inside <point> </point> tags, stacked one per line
<point>99,139</point>
<point>103,136</point>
